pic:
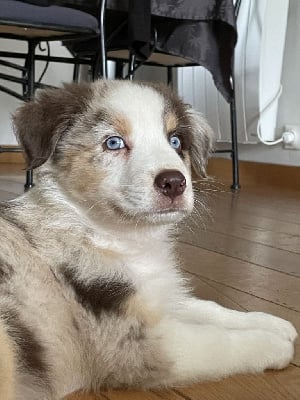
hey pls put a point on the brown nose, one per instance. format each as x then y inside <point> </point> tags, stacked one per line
<point>170,182</point>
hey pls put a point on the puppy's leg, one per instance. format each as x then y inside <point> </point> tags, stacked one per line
<point>208,352</point>
<point>207,312</point>
<point>7,368</point>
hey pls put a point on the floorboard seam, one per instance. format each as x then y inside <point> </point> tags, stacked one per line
<point>239,290</point>
<point>241,259</point>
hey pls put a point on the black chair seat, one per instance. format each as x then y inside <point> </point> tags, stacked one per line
<point>62,20</point>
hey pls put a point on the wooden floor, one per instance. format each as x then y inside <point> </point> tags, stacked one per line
<point>246,256</point>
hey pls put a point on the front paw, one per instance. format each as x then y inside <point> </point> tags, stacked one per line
<point>279,326</point>
<point>276,352</point>
<point>261,350</point>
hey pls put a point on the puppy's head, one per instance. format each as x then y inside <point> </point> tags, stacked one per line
<point>121,149</point>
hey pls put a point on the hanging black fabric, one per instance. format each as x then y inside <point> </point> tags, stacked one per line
<point>201,31</point>
<point>139,27</point>
<point>63,3</point>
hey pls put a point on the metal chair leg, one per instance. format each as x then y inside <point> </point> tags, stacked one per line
<point>131,66</point>
<point>29,95</point>
<point>170,75</point>
<point>29,180</point>
<point>76,71</point>
<point>119,73</point>
<point>234,140</point>
<point>234,143</point>
<point>103,54</point>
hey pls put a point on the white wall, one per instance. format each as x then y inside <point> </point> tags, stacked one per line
<point>289,103</point>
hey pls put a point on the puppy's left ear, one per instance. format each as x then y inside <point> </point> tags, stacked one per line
<point>39,124</point>
<point>202,141</point>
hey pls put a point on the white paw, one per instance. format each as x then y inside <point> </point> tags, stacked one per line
<point>266,350</point>
<point>280,351</point>
<point>273,324</point>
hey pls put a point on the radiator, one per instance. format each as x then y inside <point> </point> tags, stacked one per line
<point>258,65</point>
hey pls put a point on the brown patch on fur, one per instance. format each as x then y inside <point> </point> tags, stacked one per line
<point>40,123</point>
<point>7,365</point>
<point>99,294</point>
<point>122,125</point>
<point>171,122</point>
<point>6,271</point>
<point>137,308</point>
<point>29,349</point>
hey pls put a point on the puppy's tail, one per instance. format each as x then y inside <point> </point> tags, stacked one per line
<point>7,365</point>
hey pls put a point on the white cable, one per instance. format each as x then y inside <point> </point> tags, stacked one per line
<point>275,98</point>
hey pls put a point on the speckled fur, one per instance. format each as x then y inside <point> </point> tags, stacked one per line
<point>90,291</point>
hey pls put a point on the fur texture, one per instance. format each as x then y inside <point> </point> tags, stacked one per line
<point>90,291</point>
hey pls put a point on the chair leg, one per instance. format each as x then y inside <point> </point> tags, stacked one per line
<point>119,74</point>
<point>76,71</point>
<point>131,66</point>
<point>29,95</point>
<point>170,76</point>
<point>29,180</point>
<point>103,54</point>
<point>234,140</point>
<point>234,143</point>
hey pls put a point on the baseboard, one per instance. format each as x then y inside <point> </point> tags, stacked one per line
<point>12,157</point>
<point>253,173</point>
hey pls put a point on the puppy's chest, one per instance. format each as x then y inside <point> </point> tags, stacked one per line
<point>139,280</point>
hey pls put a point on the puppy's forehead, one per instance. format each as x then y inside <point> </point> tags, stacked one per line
<point>136,102</point>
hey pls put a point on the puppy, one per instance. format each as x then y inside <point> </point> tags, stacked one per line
<point>90,292</point>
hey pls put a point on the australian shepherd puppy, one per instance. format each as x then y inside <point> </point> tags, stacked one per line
<point>90,291</point>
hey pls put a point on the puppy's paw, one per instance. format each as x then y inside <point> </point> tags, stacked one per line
<point>269,351</point>
<point>279,326</point>
<point>282,352</point>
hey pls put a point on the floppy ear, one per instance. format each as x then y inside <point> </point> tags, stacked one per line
<point>40,123</point>
<point>202,141</point>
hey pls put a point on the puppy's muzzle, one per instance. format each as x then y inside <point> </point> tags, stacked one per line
<point>170,183</point>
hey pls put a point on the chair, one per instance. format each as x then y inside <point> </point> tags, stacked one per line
<point>173,34</point>
<point>36,21</point>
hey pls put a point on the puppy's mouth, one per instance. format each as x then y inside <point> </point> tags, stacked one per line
<point>167,211</point>
<point>170,215</point>
<point>154,216</point>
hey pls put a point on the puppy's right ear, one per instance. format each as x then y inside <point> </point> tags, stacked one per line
<point>40,123</point>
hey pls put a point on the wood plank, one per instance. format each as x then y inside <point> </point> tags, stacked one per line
<point>12,187</point>
<point>205,290</point>
<point>127,394</point>
<point>142,395</point>
<point>252,173</point>
<point>285,236</point>
<point>270,285</point>
<point>228,219</point>
<point>245,250</point>
<point>5,196</point>
<point>272,385</point>
<point>85,396</point>
<point>168,395</point>
<point>281,205</point>
<point>237,300</point>
<point>12,157</point>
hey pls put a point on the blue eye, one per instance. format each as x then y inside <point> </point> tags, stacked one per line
<point>175,142</point>
<point>115,143</point>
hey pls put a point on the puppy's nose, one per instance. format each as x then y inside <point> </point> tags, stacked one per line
<point>170,182</point>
